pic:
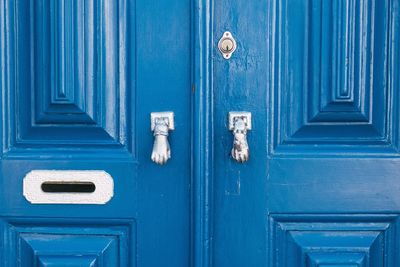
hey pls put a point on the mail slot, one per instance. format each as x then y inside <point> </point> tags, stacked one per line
<point>68,187</point>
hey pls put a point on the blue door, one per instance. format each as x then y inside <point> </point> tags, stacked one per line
<point>322,184</point>
<point>199,133</point>
<point>79,82</point>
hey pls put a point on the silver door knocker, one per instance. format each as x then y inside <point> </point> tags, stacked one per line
<point>161,124</point>
<point>239,124</point>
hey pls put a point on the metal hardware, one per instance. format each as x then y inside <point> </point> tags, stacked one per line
<point>227,45</point>
<point>161,124</point>
<point>68,187</point>
<point>239,124</point>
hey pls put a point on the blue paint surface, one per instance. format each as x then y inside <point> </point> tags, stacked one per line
<point>321,188</point>
<point>78,82</point>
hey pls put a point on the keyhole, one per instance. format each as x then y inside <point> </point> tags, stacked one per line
<point>227,45</point>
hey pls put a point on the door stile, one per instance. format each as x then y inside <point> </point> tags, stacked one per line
<point>202,134</point>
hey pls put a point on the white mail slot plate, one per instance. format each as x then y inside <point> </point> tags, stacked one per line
<point>68,187</point>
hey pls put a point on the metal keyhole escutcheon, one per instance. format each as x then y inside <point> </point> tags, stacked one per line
<point>227,45</point>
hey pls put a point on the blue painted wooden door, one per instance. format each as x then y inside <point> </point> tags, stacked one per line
<point>78,82</point>
<point>322,186</point>
<point>321,78</point>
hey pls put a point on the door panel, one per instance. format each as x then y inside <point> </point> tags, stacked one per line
<point>66,242</point>
<point>164,73</point>
<point>321,186</point>
<point>79,80</point>
<point>240,84</point>
<point>333,240</point>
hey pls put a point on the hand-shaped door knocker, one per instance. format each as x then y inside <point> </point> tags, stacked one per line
<point>239,124</point>
<point>161,124</point>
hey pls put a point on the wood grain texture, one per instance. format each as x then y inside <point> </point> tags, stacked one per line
<point>78,82</point>
<point>321,82</point>
<point>68,79</point>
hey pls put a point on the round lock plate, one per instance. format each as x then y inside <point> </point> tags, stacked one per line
<point>227,45</point>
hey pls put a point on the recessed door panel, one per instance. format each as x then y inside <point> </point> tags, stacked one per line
<point>40,242</point>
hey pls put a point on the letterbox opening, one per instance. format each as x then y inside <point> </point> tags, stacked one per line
<point>68,187</point>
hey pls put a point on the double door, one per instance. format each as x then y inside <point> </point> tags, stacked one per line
<point>199,133</point>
